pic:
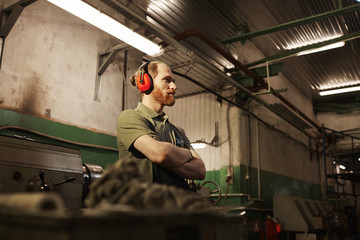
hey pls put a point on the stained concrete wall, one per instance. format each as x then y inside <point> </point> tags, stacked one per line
<point>340,122</point>
<point>49,67</point>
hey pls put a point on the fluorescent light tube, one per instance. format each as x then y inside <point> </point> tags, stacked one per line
<point>109,25</point>
<point>340,90</point>
<point>342,167</point>
<point>199,145</point>
<point>328,47</point>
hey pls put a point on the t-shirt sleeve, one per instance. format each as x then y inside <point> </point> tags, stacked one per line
<point>130,126</point>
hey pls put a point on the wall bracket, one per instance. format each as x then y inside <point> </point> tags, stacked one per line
<point>104,60</point>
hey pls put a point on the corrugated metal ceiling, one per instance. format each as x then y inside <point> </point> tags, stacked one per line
<point>219,20</point>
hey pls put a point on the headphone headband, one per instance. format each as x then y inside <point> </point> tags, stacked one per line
<point>144,70</point>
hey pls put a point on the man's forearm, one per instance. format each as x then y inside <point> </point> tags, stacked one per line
<point>184,162</point>
<point>193,168</point>
<point>176,156</point>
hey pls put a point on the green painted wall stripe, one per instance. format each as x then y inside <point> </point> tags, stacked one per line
<point>76,134</point>
<point>57,129</point>
<point>271,183</point>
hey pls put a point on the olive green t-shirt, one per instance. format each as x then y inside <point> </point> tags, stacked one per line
<point>132,124</point>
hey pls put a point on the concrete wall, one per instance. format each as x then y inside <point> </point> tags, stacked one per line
<point>49,68</point>
<point>340,122</point>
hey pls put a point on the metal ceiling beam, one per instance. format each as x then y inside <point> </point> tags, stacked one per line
<point>292,52</point>
<point>104,60</point>
<point>293,24</point>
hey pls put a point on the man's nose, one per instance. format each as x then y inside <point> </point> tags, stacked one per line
<point>173,85</point>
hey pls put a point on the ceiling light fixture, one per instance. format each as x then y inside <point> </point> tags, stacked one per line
<point>339,90</point>
<point>328,47</point>
<point>201,143</point>
<point>109,25</point>
<point>198,145</point>
<point>338,83</point>
<point>316,41</point>
<point>342,167</point>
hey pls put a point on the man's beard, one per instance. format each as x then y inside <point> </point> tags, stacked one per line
<point>164,98</point>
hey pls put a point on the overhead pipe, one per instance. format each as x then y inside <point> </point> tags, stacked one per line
<point>293,24</point>
<point>342,133</point>
<point>258,158</point>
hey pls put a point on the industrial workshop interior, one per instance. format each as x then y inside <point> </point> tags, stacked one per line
<point>267,92</point>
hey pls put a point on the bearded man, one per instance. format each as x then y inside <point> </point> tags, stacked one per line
<point>162,151</point>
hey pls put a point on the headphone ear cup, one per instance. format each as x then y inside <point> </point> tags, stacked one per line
<point>145,83</point>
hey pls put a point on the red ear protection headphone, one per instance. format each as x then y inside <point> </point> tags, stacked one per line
<point>144,81</point>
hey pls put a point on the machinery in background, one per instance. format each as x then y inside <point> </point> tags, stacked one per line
<point>29,166</point>
<point>310,217</point>
<point>298,214</point>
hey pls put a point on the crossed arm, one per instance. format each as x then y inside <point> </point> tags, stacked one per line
<point>184,162</point>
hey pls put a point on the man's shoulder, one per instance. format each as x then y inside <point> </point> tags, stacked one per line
<point>130,113</point>
<point>132,116</point>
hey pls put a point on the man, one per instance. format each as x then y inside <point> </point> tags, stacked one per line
<point>162,151</point>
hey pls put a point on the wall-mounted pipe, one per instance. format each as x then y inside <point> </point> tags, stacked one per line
<point>258,158</point>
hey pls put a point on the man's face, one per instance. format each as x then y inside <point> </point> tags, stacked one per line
<point>164,86</point>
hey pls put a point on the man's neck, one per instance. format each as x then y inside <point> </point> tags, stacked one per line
<point>150,103</point>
